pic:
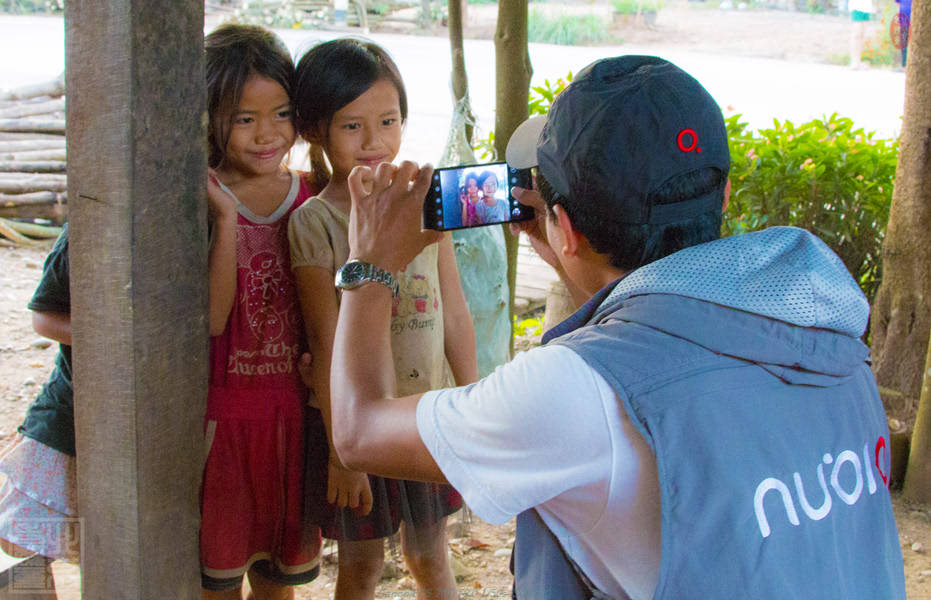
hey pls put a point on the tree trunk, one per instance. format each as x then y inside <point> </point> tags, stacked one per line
<point>480,252</point>
<point>20,166</point>
<point>460,79</point>
<point>33,126</point>
<point>53,88</point>
<point>58,154</point>
<point>917,475</point>
<point>901,314</point>
<point>512,90</point>
<point>30,109</point>
<point>22,183</point>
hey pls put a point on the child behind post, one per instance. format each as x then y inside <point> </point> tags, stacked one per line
<point>253,485</point>
<point>38,501</point>
<point>351,104</point>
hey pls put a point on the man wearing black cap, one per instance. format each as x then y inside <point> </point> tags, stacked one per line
<point>705,426</point>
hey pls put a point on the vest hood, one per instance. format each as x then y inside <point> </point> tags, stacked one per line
<point>778,297</point>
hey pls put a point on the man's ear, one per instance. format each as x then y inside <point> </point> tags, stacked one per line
<point>727,195</point>
<point>570,234</point>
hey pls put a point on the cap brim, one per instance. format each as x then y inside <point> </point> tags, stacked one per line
<point>521,152</point>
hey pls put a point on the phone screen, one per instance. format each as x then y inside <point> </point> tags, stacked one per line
<point>474,196</point>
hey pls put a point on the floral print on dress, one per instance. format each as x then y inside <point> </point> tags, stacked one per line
<point>38,501</point>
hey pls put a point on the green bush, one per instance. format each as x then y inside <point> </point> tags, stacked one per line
<point>566,30</point>
<point>824,176</point>
<point>31,6</point>
<point>878,50</point>
<point>630,7</point>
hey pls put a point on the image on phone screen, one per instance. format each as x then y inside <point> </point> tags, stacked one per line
<point>474,196</point>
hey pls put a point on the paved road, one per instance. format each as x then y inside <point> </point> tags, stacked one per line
<point>32,50</point>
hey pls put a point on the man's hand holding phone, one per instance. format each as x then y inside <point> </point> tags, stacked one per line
<point>385,220</point>
<point>535,228</point>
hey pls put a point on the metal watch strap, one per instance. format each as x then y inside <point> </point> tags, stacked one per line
<point>379,275</point>
<point>370,272</point>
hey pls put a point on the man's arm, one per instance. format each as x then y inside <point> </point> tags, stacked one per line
<point>372,431</point>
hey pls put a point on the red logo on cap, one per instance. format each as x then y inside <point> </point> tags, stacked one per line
<point>685,148</point>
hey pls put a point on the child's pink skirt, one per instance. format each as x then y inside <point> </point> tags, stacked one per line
<point>38,500</point>
<point>253,493</point>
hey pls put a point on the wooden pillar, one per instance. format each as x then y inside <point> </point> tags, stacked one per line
<point>138,252</point>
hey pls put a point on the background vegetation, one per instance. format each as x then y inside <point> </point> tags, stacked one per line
<point>826,176</point>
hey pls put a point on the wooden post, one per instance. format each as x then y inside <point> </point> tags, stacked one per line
<point>138,252</point>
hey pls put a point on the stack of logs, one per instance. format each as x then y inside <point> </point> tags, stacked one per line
<point>32,152</point>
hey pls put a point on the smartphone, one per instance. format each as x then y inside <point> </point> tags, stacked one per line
<point>474,196</point>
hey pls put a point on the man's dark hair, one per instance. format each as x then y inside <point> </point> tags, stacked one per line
<point>631,246</point>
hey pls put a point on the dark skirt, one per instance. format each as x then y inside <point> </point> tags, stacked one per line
<point>393,500</point>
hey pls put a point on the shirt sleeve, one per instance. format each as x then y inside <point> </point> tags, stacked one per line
<point>53,293</point>
<point>309,239</point>
<point>530,431</point>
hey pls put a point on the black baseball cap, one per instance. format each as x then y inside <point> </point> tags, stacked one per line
<point>619,131</point>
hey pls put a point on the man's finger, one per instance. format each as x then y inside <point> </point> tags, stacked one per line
<point>403,175</point>
<point>385,173</point>
<point>529,198</point>
<point>422,181</point>
<point>358,180</point>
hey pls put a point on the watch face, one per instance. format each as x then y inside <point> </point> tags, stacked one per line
<point>351,274</point>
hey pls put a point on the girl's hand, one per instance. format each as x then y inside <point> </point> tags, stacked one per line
<point>220,205</point>
<point>348,488</point>
<point>305,369</point>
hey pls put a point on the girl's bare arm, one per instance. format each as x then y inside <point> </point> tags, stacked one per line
<point>459,331</point>
<point>53,325</point>
<point>320,310</point>
<point>222,257</point>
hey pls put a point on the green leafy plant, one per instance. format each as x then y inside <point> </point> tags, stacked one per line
<point>878,50</point>
<point>630,7</point>
<point>539,101</point>
<point>31,6</point>
<point>825,176</point>
<point>566,30</point>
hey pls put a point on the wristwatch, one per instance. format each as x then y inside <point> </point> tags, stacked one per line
<point>355,272</point>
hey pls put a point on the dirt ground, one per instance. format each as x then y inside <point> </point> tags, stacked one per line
<point>479,551</point>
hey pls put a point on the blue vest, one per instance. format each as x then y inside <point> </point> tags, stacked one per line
<point>772,487</point>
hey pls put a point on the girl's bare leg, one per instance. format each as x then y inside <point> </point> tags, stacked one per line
<point>427,558</point>
<point>360,565</point>
<point>265,589</point>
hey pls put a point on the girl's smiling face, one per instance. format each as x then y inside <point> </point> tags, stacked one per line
<point>490,187</point>
<point>365,132</point>
<point>472,189</point>
<point>261,132</point>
